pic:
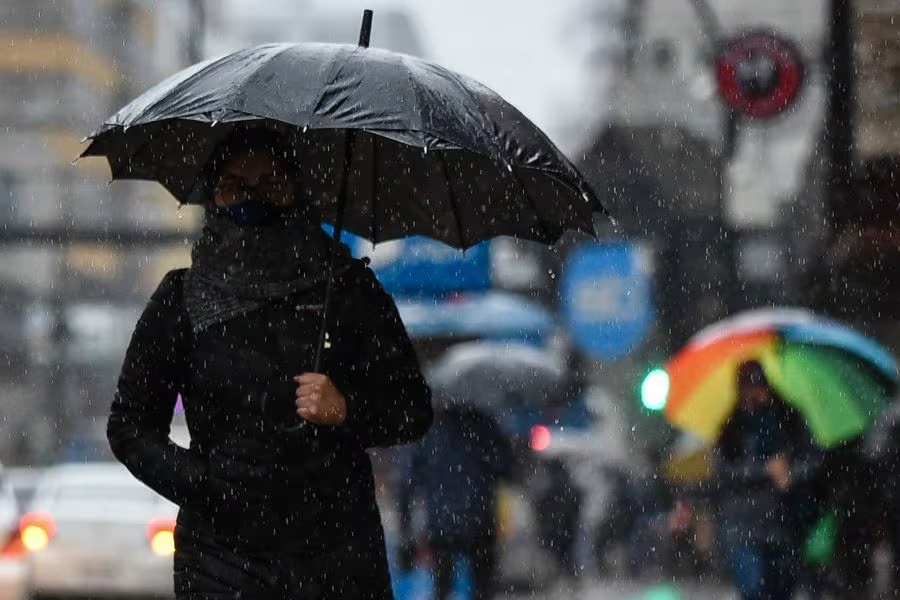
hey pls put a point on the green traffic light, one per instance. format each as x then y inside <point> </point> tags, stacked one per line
<point>662,592</point>
<point>655,390</point>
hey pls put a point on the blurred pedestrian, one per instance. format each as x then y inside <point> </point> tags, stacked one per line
<point>883,446</point>
<point>850,484</point>
<point>276,491</point>
<point>456,470</point>
<point>638,518</point>
<point>619,520</point>
<point>558,506</point>
<point>764,467</point>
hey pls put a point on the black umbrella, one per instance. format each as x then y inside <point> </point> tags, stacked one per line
<point>496,377</point>
<point>390,145</point>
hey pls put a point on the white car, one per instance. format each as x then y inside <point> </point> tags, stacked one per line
<point>12,571</point>
<point>92,530</point>
<point>9,512</point>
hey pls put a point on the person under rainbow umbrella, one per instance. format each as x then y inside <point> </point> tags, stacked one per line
<point>838,379</point>
<point>737,390</point>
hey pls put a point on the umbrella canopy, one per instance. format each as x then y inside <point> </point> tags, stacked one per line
<point>496,377</point>
<point>419,149</point>
<point>491,315</point>
<point>837,378</point>
<point>386,145</point>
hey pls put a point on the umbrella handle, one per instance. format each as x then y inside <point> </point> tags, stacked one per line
<point>365,30</point>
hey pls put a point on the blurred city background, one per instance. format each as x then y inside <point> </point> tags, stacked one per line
<point>715,212</point>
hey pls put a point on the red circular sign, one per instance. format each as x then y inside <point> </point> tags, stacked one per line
<point>759,74</point>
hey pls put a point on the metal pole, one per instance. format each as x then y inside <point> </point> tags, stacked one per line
<point>840,113</point>
<point>197,31</point>
<point>725,282</point>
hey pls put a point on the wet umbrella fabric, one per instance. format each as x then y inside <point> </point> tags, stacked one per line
<point>838,379</point>
<point>419,149</point>
<point>496,377</point>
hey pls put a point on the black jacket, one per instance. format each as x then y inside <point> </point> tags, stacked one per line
<point>246,487</point>
<point>751,510</point>
<point>457,468</point>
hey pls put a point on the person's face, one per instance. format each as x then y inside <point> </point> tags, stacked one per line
<point>753,397</point>
<point>253,176</point>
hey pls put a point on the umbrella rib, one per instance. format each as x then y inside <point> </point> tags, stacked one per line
<point>541,221</point>
<point>412,84</point>
<point>454,204</point>
<point>200,72</point>
<point>499,156</point>
<point>335,72</point>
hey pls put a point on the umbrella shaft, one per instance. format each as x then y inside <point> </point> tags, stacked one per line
<point>349,146</point>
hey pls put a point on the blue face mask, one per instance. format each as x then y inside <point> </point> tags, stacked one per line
<point>252,214</point>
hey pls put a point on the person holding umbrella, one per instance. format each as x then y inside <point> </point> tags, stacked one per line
<point>388,146</point>
<point>276,491</point>
<point>765,461</point>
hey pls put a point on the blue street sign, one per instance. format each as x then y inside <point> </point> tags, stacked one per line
<point>606,292</point>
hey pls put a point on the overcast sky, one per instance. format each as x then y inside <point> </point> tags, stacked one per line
<point>532,52</point>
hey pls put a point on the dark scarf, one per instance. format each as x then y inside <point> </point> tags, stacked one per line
<point>236,270</point>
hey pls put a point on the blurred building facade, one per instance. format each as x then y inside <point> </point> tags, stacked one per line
<point>74,269</point>
<point>236,24</point>
<point>735,221</point>
<point>80,256</point>
<point>661,156</point>
<point>855,272</point>
<point>878,75</point>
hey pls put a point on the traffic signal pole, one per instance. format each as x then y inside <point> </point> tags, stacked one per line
<point>840,114</point>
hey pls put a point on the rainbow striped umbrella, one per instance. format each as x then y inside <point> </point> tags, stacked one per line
<point>837,378</point>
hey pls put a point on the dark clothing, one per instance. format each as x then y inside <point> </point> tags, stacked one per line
<point>751,510</point>
<point>559,506</point>
<point>851,488</point>
<point>641,498</point>
<point>207,567</point>
<point>481,556</point>
<point>236,270</point>
<point>249,491</point>
<point>456,467</point>
<point>764,572</point>
<point>762,528</point>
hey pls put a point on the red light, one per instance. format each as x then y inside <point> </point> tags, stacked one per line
<point>159,524</point>
<point>14,547</point>
<point>161,535</point>
<point>540,438</point>
<point>36,530</point>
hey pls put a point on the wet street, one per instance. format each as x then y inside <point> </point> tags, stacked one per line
<point>632,590</point>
